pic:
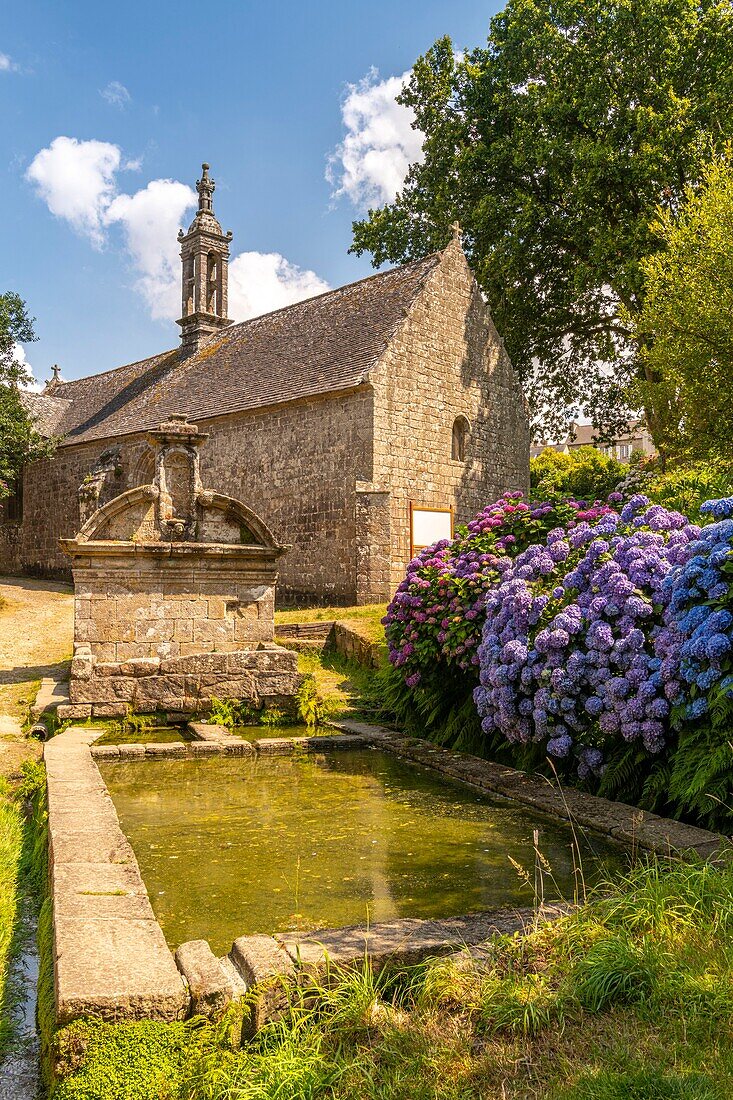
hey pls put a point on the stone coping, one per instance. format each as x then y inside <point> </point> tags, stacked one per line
<point>215,740</point>
<point>110,955</point>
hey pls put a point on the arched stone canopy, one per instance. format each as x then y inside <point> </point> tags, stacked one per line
<point>131,517</point>
<point>176,507</point>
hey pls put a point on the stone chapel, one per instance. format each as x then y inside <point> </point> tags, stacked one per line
<point>359,424</point>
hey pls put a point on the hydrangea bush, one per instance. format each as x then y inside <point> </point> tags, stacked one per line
<point>568,658</point>
<point>697,645</point>
<point>438,611</point>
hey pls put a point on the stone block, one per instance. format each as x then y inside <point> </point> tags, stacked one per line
<point>183,630</point>
<point>103,689</point>
<point>105,752</point>
<point>169,748</point>
<point>208,731</point>
<point>236,746</point>
<point>115,968</point>
<point>140,666</point>
<point>213,630</point>
<point>273,683</point>
<point>81,666</point>
<point>267,970</point>
<point>404,942</point>
<point>77,710</point>
<point>275,746</point>
<point>199,664</point>
<point>241,661</point>
<point>91,845</point>
<point>206,748</point>
<point>106,668</point>
<point>109,710</point>
<point>160,692</point>
<point>252,630</point>
<point>243,687</point>
<point>208,986</point>
<point>131,751</point>
<point>157,631</point>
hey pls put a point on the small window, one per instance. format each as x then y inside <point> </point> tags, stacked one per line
<point>14,503</point>
<point>459,444</point>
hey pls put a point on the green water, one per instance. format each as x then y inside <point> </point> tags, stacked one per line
<point>145,736</point>
<point>254,733</point>
<point>230,845</point>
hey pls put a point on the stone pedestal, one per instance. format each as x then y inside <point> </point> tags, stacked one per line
<point>175,596</point>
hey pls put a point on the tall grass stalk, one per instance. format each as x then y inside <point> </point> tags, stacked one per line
<point>11,853</point>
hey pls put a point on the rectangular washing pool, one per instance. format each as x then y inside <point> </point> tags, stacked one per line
<point>234,845</point>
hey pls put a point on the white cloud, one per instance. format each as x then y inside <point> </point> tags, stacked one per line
<point>370,164</point>
<point>116,94</point>
<point>150,220</point>
<point>7,65</point>
<point>33,386</point>
<point>262,281</point>
<point>76,180</point>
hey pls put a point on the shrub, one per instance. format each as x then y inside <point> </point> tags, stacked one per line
<point>585,474</point>
<point>687,487</point>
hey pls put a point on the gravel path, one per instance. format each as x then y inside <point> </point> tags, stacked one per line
<point>36,631</point>
<point>36,634</point>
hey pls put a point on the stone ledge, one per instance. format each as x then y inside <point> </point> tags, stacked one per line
<point>401,942</point>
<point>236,746</point>
<point>110,955</point>
<point>209,986</point>
<point>116,968</point>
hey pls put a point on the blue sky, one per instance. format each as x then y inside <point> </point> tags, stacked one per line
<point>109,110</point>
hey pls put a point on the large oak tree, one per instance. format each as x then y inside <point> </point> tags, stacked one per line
<point>553,146</point>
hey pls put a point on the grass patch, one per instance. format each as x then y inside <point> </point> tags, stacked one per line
<point>22,881</point>
<point>344,683</point>
<point>365,620</point>
<point>630,998</point>
<point>11,853</point>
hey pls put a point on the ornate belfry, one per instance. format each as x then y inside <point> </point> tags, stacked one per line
<point>205,263</point>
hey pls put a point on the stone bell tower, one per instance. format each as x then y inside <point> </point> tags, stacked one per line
<point>205,260</point>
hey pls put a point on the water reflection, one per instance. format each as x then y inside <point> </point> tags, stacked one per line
<point>229,845</point>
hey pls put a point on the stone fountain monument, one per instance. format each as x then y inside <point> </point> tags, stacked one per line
<point>175,596</point>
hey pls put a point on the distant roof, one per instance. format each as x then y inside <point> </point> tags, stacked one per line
<point>583,435</point>
<point>323,344</point>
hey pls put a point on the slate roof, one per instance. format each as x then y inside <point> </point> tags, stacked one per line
<point>317,346</point>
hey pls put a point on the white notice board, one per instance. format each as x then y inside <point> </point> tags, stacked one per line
<point>429,525</point>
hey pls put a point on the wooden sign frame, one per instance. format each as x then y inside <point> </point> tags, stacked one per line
<point>415,507</point>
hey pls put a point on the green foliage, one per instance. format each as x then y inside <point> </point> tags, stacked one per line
<point>644,1084</point>
<point>127,1061</point>
<point>11,848</point>
<point>684,327</point>
<point>585,474</point>
<point>630,996</point>
<point>616,970</point>
<point>314,708</point>
<point>523,1005</point>
<point>684,487</point>
<point>553,146</point>
<point>232,712</point>
<point>45,1003</point>
<point>20,443</point>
